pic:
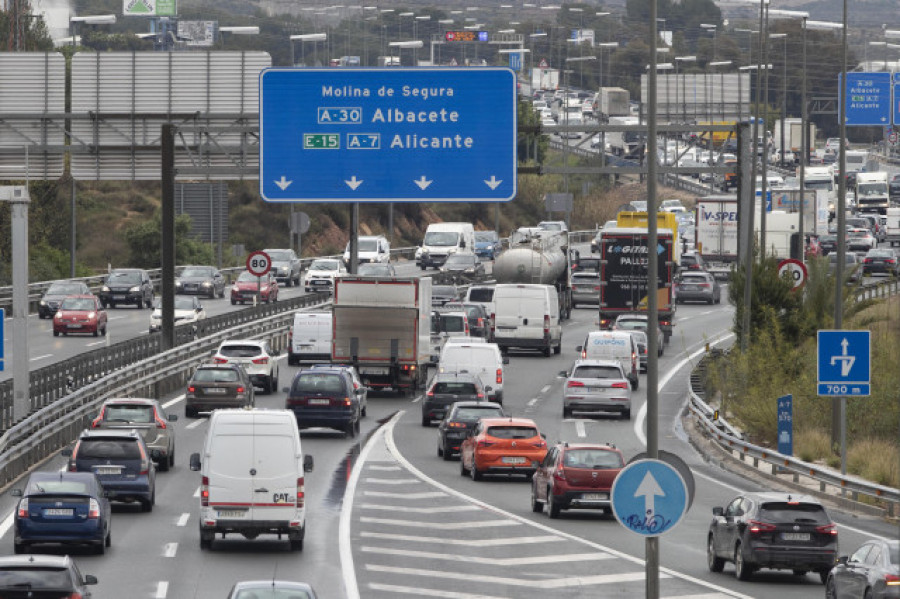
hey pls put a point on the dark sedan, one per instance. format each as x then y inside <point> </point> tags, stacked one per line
<point>870,572</point>
<point>441,294</point>
<point>828,243</point>
<point>41,576</point>
<point>463,266</point>
<point>62,508</point>
<point>56,293</point>
<point>881,261</point>
<point>459,420</point>
<point>200,280</point>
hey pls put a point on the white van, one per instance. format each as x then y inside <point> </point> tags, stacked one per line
<point>370,249</point>
<point>252,469</point>
<point>482,295</point>
<point>478,358</point>
<point>443,239</point>
<point>613,345</point>
<point>527,315</point>
<point>309,338</point>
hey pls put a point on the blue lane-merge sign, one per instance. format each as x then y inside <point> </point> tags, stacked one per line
<point>366,135</point>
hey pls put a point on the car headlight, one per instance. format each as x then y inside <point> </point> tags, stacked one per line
<point>135,289</point>
<point>43,303</point>
<point>92,315</point>
<point>451,251</point>
<point>205,284</point>
<point>234,289</point>
<point>178,283</point>
<point>58,316</point>
<point>105,289</point>
<point>470,271</point>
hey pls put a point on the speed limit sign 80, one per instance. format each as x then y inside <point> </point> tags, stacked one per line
<point>258,263</point>
<point>795,270</point>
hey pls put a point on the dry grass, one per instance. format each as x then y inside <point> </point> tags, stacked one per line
<point>875,460</point>
<point>811,445</point>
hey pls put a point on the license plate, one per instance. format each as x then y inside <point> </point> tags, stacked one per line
<point>795,536</point>
<point>214,391</point>
<point>320,282</point>
<point>119,295</point>
<point>74,326</point>
<point>688,287</point>
<point>231,513</point>
<point>374,370</point>
<point>594,496</point>
<point>58,512</point>
<point>319,402</point>
<point>514,460</point>
<point>101,470</point>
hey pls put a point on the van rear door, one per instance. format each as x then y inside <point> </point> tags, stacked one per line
<point>228,471</point>
<point>275,474</point>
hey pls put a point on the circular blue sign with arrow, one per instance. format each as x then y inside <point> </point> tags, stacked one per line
<point>649,497</point>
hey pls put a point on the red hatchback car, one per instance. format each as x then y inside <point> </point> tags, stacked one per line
<point>80,314</point>
<point>245,287</point>
<point>576,476</point>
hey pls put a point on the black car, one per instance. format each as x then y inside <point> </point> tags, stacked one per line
<point>323,397</point>
<point>463,267</point>
<point>461,418</point>
<point>691,261</point>
<point>828,243</point>
<point>479,321</point>
<point>872,571</point>
<point>121,461</point>
<point>127,286</point>
<point>772,530</point>
<point>447,388</point>
<point>200,280</point>
<point>441,294</point>
<point>43,576</point>
<point>56,293</point>
<point>881,261</point>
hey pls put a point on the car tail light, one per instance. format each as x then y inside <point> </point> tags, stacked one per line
<point>499,376</point>
<point>290,335</point>
<point>74,596</point>
<point>456,425</point>
<point>867,260</point>
<point>467,328</point>
<point>347,401</point>
<point>827,529</point>
<point>98,419</point>
<point>160,423</point>
<point>93,509</point>
<point>891,261</point>
<point>483,444</point>
<point>301,493</point>
<point>145,463</point>
<point>583,354</point>
<point>546,325</point>
<point>756,527</point>
<point>571,384</point>
<point>620,385</point>
<point>192,389</point>
<point>240,389</point>
<point>204,491</point>
<point>597,288</point>
<point>704,285</point>
<point>220,360</point>
<point>480,395</point>
<point>430,393</point>
<point>23,508</point>
<point>493,322</point>
<point>559,474</point>
<point>480,322</point>
<point>261,360</point>
<point>604,324</point>
<point>891,580</point>
<point>664,323</point>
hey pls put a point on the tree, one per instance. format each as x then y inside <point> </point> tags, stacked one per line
<point>144,242</point>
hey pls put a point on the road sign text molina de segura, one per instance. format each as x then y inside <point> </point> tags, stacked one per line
<point>388,135</point>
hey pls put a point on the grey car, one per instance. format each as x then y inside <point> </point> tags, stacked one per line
<point>585,288</point>
<point>146,416</point>
<point>597,386</point>
<point>56,293</point>
<point>200,280</point>
<point>285,266</point>
<point>215,386</point>
<point>697,286</point>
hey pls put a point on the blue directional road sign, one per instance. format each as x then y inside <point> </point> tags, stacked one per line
<point>649,497</point>
<point>868,99</point>
<point>786,425</point>
<point>391,135</point>
<point>844,363</point>
<point>896,111</point>
<point>515,61</point>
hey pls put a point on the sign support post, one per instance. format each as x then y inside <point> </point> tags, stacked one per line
<point>18,199</point>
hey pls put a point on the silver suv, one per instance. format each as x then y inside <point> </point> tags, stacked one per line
<point>595,386</point>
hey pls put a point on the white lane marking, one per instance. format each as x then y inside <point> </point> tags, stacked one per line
<point>642,412</point>
<point>545,389</point>
<point>173,401</point>
<point>162,589</point>
<point>498,542</point>
<point>170,549</point>
<point>419,510</point>
<point>183,519</point>
<point>501,561</point>
<point>7,523</point>
<point>553,583</point>
<point>390,481</point>
<point>109,318</point>
<point>532,401</point>
<point>195,424</point>
<point>197,492</point>
<point>419,591</point>
<point>96,343</point>
<point>417,399</point>
<point>579,428</point>
<point>392,448</point>
<point>426,495</point>
<point>386,468</point>
<point>440,525</point>
<point>35,358</point>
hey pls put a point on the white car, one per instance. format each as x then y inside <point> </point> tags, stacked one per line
<point>257,358</point>
<point>188,309</point>
<point>322,273</point>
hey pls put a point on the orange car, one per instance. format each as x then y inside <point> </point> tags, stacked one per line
<point>502,446</point>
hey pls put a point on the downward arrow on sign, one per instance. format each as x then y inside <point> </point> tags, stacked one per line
<point>493,183</point>
<point>353,183</point>
<point>283,183</point>
<point>422,182</point>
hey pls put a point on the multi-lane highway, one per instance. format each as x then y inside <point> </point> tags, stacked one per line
<point>388,518</point>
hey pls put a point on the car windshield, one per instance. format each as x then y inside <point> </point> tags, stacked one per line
<point>783,511</point>
<point>124,278</point>
<point>65,289</point>
<point>474,413</point>
<point>858,233</point>
<point>595,459</point>
<point>485,236</point>
<point>460,260</point>
<point>693,279</point>
<point>247,277</point>
<point>880,254</point>
<point>55,487</point>
<point>137,413</point>
<point>443,291</point>
<point>512,432</point>
<point>554,226</point>
<point>34,578</point>
<point>216,375</point>
<point>279,255</point>
<point>82,304</point>
<point>196,273</point>
<point>181,303</point>
<point>270,592</point>
<point>367,245</point>
<point>318,382</point>
<point>451,323</point>
<point>455,388</point>
<point>324,265</point>
<point>441,238</point>
<point>240,351</point>
<point>638,325</point>
<point>596,372</point>
<point>481,294</point>
<point>113,449</point>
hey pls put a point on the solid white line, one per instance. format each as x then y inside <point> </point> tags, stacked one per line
<point>496,542</point>
<point>40,357</point>
<point>195,424</point>
<point>387,468</point>
<point>170,549</point>
<point>96,343</point>
<point>162,589</point>
<point>545,389</point>
<point>500,561</point>
<point>419,591</point>
<point>532,401</point>
<point>173,401</point>
<point>419,510</point>
<point>183,519</point>
<point>579,428</point>
<point>440,525</point>
<point>552,583</point>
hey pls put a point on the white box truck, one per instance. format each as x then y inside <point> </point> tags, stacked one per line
<point>872,194</point>
<point>716,232</point>
<point>892,226</point>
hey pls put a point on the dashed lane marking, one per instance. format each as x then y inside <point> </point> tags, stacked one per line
<point>392,481</point>
<point>425,495</point>
<point>545,389</point>
<point>195,424</point>
<point>384,468</point>
<point>162,589</point>
<point>170,549</point>
<point>173,401</point>
<point>579,428</point>
<point>421,510</point>
<point>183,519</point>
<point>35,358</point>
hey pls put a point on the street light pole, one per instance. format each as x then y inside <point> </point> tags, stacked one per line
<point>783,36</point>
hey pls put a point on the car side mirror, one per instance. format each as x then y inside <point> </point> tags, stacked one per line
<point>17,493</point>
<point>488,389</point>
<point>155,454</point>
<point>308,463</point>
<point>66,452</point>
<point>717,511</point>
<point>172,417</point>
<point>579,348</point>
<point>505,359</point>
<point>544,436</point>
<point>90,579</point>
<point>195,462</point>
<point>843,560</point>
<point>564,374</point>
